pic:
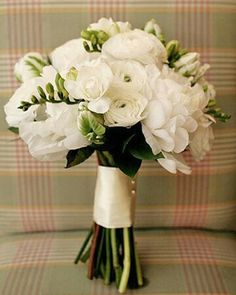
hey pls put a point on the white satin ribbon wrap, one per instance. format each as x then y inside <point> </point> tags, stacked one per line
<point>114,202</point>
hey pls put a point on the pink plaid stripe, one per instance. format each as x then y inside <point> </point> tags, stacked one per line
<point>193,190</point>
<point>29,251</point>
<point>203,277</point>
<point>33,191</point>
<point>107,8</point>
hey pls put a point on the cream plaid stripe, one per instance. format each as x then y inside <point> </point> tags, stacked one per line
<point>175,262</point>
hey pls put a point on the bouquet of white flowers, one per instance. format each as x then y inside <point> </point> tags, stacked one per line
<point>128,95</point>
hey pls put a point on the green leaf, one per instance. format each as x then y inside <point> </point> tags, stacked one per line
<point>76,157</point>
<point>14,130</point>
<point>98,128</point>
<point>127,141</point>
<point>141,150</point>
<point>127,163</point>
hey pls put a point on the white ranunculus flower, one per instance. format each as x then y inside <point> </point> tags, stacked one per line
<point>126,107</point>
<point>110,27</point>
<point>51,139</point>
<point>70,54</point>
<point>137,45</point>
<point>131,74</point>
<point>201,140</point>
<point>92,82</point>
<point>173,163</point>
<point>29,66</point>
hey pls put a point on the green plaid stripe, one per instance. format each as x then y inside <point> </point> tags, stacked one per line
<point>34,196</point>
<point>174,262</point>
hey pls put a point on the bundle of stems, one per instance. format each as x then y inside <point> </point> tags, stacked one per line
<point>111,252</point>
<point>112,256</point>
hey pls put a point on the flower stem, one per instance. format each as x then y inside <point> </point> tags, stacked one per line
<point>107,278</point>
<point>126,269</point>
<point>138,267</point>
<point>97,230</point>
<point>115,258</point>
<point>84,246</point>
<point>99,253</point>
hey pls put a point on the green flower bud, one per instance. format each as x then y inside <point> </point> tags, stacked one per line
<point>86,46</point>
<point>41,92</point>
<point>85,34</point>
<point>102,37</point>
<point>172,48</point>
<point>50,89</point>
<point>72,74</point>
<point>34,100</point>
<point>93,39</point>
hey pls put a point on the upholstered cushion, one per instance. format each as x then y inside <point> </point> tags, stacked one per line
<point>174,262</point>
<point>41,196</point>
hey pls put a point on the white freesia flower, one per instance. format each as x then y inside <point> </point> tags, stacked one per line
<point>131,74</point>
<point>110,27</point>
<point>91,84</point>
<point>14,115</point>
<point>52,138</point>
<point>201,140</point>
<point>189,65</point>
<point>208,88</point>
<point>195,98</point>
<point>29,66</point>
<point>126,107</point>
<point>174,163</point>
<point>70,54</point>
<point>152,27</point>
<point>137,45</point>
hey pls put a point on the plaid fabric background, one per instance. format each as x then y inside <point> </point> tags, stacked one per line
<point>38,196</point>
<point>174,262</point>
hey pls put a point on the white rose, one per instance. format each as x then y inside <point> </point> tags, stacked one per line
<point>131,74</point>
<point>174,163</point>
<point>70,54</point>
<point>137,45</point>
<point>202,139</point>
<point>51,139</point>
<point>29,66</point>
<point>91,84</point>
<point>110,27</point>
<point>126,108</point>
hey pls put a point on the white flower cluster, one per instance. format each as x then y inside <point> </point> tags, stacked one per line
<point>128,81</point>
